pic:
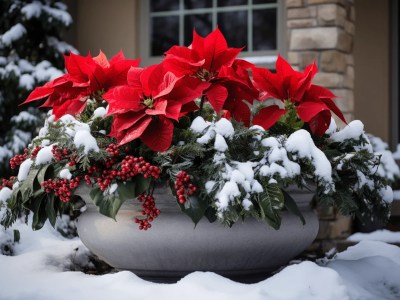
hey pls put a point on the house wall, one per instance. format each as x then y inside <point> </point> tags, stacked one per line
<point>371,55</point>
<point>104,25</point>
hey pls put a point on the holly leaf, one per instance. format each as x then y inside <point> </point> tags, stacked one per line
<point>108,204</point>
<point>291,206</point>
<point>194,208</point>
<point>39,213</point>
<point>127,190</point>
<point>50,211</point>
<point>271,202</point>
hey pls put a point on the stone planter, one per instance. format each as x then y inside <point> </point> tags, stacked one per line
<point>174,247</point>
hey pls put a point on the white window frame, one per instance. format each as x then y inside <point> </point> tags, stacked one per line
<point>261,58</point>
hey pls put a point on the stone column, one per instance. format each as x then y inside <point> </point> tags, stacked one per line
<point>323,30</point>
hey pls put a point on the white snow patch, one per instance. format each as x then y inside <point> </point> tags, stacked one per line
<point>13,34</point>
<point>224,127</point>
<point>228,193</point>
<point>386,194</point>
<point>99,112</point>
<point>44,155</point>
<point>199,125</point>
<point>65,174</point>
<point>85,139</point>
<point>220,143</point>
<point>24,169</point>
<point>353,130</point>
<point>5,194</point>
<point>113,188</point>
<point>382,235</point>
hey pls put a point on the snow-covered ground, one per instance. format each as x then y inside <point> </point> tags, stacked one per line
<point>382,235</point>
<point>39,270</point>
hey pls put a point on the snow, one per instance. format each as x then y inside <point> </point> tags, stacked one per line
<point>352,131</point>
<point>300,142</point>
<point>5,194</point>
<point>332,127</point>
<point>26,81</point>
<point>113,188</point>
<point>199,125</point>
<point>220,143</point>
<point>24,116</point>
<point>229,191</point>
<point>388,167</point>
<point>32,10</point>
<point>382,235</point>
<point>85,139</point>
<point>65,174</point>
<point>44,155</point>
<point>396,195</point>
<point>13,34</point>
<point>386,194</point>
<point>24,169</point>
<point>369,270</point>
<point>99,112</point>
<point>224,127</point>
<point>209,186</point>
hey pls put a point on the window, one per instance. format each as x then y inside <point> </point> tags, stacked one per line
<point>252,24</point>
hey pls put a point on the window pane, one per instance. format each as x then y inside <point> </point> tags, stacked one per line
<point>191,4</point>
<point>264,29</point>
<point>263,1</point>
<point>164,34</point>
<point>201,22</point>
<point>234,27</point>
<point>164,5</point>
<point>231,2</point>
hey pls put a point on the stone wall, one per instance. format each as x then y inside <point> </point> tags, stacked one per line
<point>323,30</point>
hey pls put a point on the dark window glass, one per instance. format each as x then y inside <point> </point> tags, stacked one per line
<point>263,1</point>
<point>164,34</point>
<point>201,22</point>
<point>264,29</point>
<point>222,3</point>
<point>234,27</point>
<point>192,4</point>
<point>164,5</point>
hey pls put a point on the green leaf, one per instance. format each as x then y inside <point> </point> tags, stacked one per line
<point>194,208</point>
<point>39,214</point>
<point>50,211</point>
<point>291,206</point>
<point>108,204</point>
<point>17,235</point>
<point>127,190</point>
<point>271,202</point>
<point>45,173</point>
<point>142,184</point>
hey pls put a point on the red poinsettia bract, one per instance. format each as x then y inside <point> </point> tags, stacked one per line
<point>313,103</point>
<point>210,60</point>
<point>86,76</point>
<point>148,105</point>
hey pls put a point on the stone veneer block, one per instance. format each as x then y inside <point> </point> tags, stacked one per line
<point>331,14</point>
<point>328,80</point>
<point>333,61</point>
<point>311,2</point>
<point>294,3</point>
<point>302,13</point>
<point>293,58</point>
<point>307,58</point>
<point>301,23</point>
<point>320,38</point>
<point>349,77</point>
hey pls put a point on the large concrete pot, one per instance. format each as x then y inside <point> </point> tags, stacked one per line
<point>174,247</point>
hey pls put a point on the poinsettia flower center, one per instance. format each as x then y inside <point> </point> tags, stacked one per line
<point>204,75</point>
<point>149,102</point>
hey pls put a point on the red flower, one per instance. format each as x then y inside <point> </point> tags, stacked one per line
<point>86,76</point>
<point>210,60</point>
<point>313,103</point>
<point>148,105</point>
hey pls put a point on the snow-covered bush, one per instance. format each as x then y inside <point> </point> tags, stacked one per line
<point>31,53</point>
<point>228,145</point>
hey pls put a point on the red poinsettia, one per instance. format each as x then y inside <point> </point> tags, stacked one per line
<point>86,76</point>
<point>210,60</point>
<point>148,105</point>
<point>313,103</point>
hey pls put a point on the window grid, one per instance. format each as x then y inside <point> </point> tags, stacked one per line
<point>214,10</point>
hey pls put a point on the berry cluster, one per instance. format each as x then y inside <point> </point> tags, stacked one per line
<point>6,183</point>
<point>35,151</point>
<point>149,211</point>
<point>131,166</point>
<point>18,159</point>
<point>62,188</point>
<point>183,187</point>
